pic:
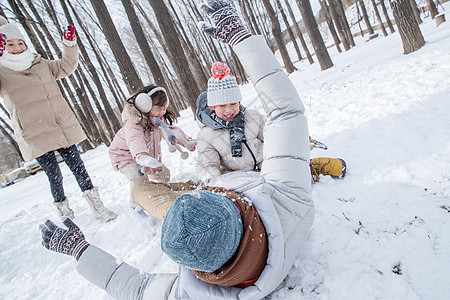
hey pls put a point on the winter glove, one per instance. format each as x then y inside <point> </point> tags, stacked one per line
<point>69,33</point>
<point>69,241</point>
<point>2,43</point>
<point>69,37</point>
<point>148,161</point>
<point>228,26</point>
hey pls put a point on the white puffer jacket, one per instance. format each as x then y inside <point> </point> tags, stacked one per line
<point>214,148</point>
<point>281,193</point>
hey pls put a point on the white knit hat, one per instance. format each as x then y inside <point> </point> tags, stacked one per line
<point>222,87</point>
<point>143,102</point>
<point>10,30</point>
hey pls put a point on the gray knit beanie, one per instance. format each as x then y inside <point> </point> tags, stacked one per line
<point>222,87</point>
<point>202,231</point>
<point>10,30</point>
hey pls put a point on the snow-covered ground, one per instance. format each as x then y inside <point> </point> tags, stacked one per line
<point>382,232</point>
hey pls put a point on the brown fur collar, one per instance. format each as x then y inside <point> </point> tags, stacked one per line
<point>134,115</point>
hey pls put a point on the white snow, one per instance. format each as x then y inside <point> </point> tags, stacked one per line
<point>382,232</point>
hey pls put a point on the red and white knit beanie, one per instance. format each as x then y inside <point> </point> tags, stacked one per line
<point>10,30</point>
<point>222,87</point>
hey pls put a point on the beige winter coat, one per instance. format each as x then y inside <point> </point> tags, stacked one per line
<point>41,118</point>
<point>214,148</point>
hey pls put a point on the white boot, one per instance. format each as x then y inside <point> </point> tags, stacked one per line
<point>64,209</point>
<point>100,211</point>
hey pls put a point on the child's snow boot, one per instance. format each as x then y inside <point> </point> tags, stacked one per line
<point>100,211</point>
<point>335,167</point>
<point>64,209</point>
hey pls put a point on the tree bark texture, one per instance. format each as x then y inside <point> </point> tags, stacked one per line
<point>408,28</point>
<point>314,34</point>
<point>129,74</point>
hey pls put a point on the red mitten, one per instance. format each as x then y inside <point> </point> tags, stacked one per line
<point>2,43</point>
<point>69,33</point>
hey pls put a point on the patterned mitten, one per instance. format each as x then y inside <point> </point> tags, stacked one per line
<point>228,26</point>
<point>69,241</point>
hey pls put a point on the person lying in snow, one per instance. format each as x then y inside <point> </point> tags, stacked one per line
<point>209,246</point>
<point>137,145</point>
<point>231,136</point>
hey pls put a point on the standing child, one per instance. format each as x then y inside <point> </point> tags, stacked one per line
<point>137,145</point>
<point>41,119</point>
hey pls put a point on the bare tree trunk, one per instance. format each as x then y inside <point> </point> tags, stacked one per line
<point>338,23</point>
<point>433,9</point>
<point>359,19</point>
<point>345,25</point>
<point>197,68</point>
<point>276,31</point>
<point>314,34</point>
<point>330,25</point>
<point>11,139</point>
<point>101,61</point>
<point>408,28</point>
<point>129,74</point>
<point>377,13</point>
<point>110,121</point>
<point>299,32</point>
<point>145,49</point>
<point>386,16</point>
<point>289,30</point>
<point>416,11</point>
<point>175,51</point>
<point>365,16</point>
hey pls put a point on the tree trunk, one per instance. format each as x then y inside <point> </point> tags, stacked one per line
<point>314,34</point>
<point>408,28</point>
<point>338,23</point>
<point>386,16</point>
<point>359,19</point>
<point>365,16</point>
<point>345,25</point>
<point>377,13</point>
<point>11,139</point>
<point>433,9</point>
<point>416,11</point>
<point>276,31</point>
<point>289,30</point>
<point>175,52</point>
<point>330,25</point>
<point>129,74</point>
<point>299,33</point>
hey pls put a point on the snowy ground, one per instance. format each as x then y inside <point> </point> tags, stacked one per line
<point>383,232</point>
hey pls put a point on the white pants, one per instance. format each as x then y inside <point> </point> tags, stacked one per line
<point>131,171</point>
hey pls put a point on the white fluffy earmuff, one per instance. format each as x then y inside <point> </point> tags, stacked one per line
<point>143,101</point>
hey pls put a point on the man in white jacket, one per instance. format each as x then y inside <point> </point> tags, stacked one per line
<point>281,192</point>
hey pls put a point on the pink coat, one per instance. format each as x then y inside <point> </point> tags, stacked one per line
<point>135,137</point>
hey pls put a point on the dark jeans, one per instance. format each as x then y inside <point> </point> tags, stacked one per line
<point>73,160</point>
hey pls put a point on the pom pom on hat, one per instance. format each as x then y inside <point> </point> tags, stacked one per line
<point>202,231</point>
<point>222,87</point>
<point>10,30</point>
